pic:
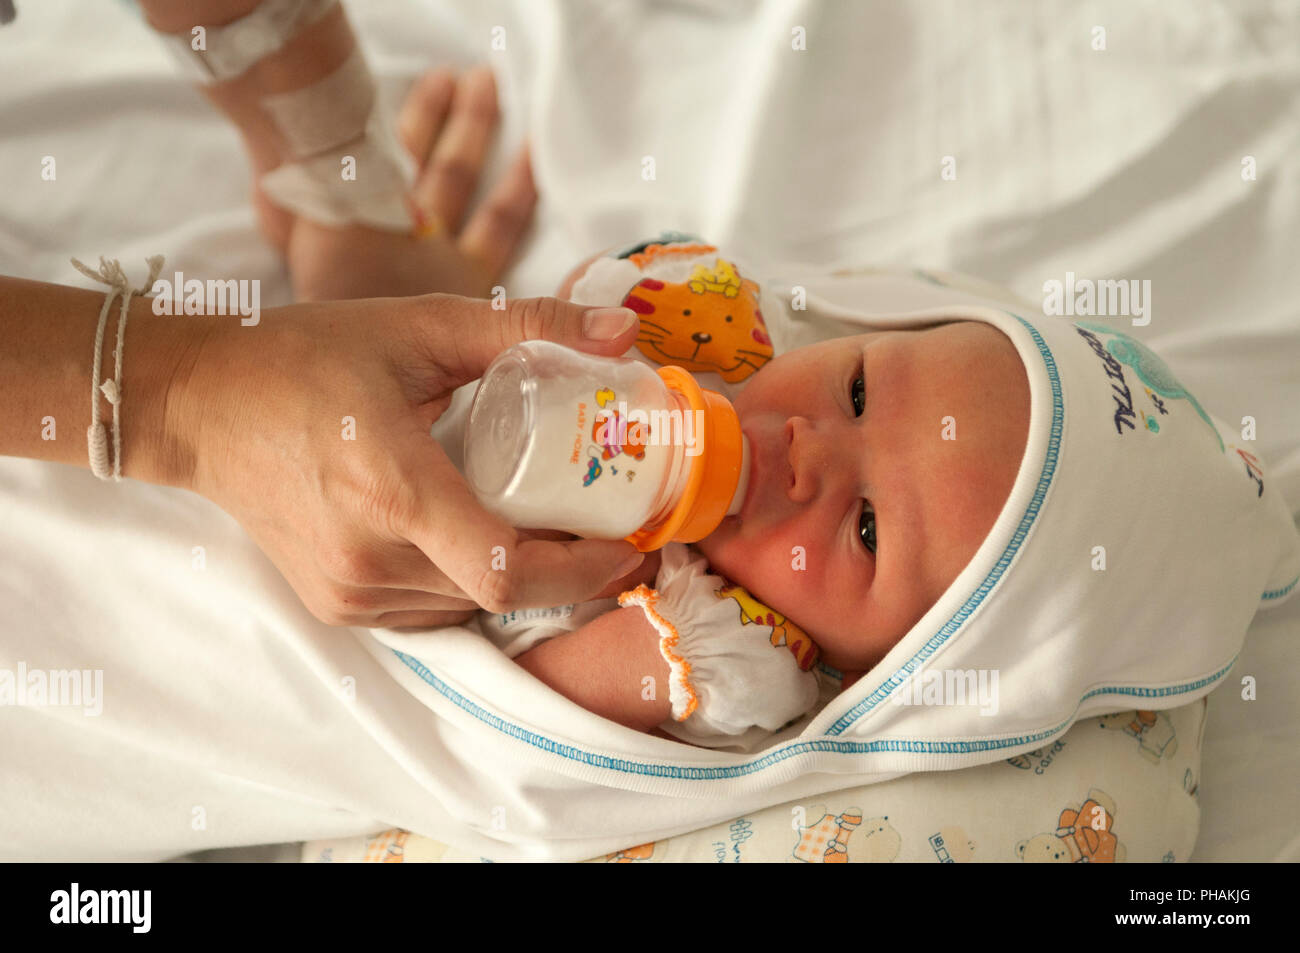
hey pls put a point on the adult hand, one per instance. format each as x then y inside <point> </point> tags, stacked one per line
<point>373,525</point>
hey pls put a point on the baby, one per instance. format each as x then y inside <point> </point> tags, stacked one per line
<point>970,498</point>
<point>857,517</point>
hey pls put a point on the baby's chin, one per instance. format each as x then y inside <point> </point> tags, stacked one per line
<point>722,548</point>
<point>735,558</point>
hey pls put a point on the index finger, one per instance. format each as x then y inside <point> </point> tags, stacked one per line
<point>492,562</point>
<point>446,340</point>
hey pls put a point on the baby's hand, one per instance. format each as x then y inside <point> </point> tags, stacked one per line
<point>447,124</point>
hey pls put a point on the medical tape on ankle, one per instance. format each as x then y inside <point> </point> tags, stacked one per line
<point>233,48</point>
<point>348,166</point>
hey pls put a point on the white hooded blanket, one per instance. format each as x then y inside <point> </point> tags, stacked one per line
<point>1139,540</point>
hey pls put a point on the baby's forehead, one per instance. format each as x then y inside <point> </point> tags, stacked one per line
<point>954,329</point>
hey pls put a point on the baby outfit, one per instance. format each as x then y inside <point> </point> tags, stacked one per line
<point>740,670</point>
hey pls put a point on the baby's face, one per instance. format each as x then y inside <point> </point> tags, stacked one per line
<point>850,468</point>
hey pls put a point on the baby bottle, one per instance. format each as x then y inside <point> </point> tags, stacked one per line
<point>603,447</point>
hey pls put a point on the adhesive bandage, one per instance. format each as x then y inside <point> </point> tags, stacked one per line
<point>316,188</point>
<point>330,112</point>
<point>349,166</point>
<point>220,53</point>
<point>346,165</point>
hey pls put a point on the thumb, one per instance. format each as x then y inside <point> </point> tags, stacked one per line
<point>466,334</point>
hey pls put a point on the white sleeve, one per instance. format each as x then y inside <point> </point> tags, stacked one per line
<point>732,667</point>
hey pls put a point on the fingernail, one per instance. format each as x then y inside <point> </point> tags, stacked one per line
<point>605,324</point>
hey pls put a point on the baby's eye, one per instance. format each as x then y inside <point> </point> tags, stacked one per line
<point>859,396</point>
<point>867,526</point>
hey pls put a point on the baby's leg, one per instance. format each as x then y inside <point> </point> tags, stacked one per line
<point>446,126</point>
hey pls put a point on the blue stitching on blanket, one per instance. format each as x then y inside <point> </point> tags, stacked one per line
<point>949,628</point>
<point>1279,593</point>
<point>829,744</point>
<point>786,752</point>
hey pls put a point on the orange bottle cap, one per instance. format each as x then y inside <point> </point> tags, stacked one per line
<point>714,473</point>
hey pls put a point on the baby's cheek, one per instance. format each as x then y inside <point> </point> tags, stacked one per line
<point>794,568</point>
<point>777,568</point>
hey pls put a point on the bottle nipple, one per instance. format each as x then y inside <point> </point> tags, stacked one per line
<point>742,488</point>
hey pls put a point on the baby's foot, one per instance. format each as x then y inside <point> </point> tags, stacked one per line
<point>447,125</point>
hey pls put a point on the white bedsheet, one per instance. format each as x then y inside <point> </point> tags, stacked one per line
<point>1119,163</point>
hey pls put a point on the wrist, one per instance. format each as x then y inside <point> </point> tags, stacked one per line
<point>227,392</point>
<point>160,411</point>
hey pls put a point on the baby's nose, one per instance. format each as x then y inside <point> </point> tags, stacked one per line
<point>806,458</point>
